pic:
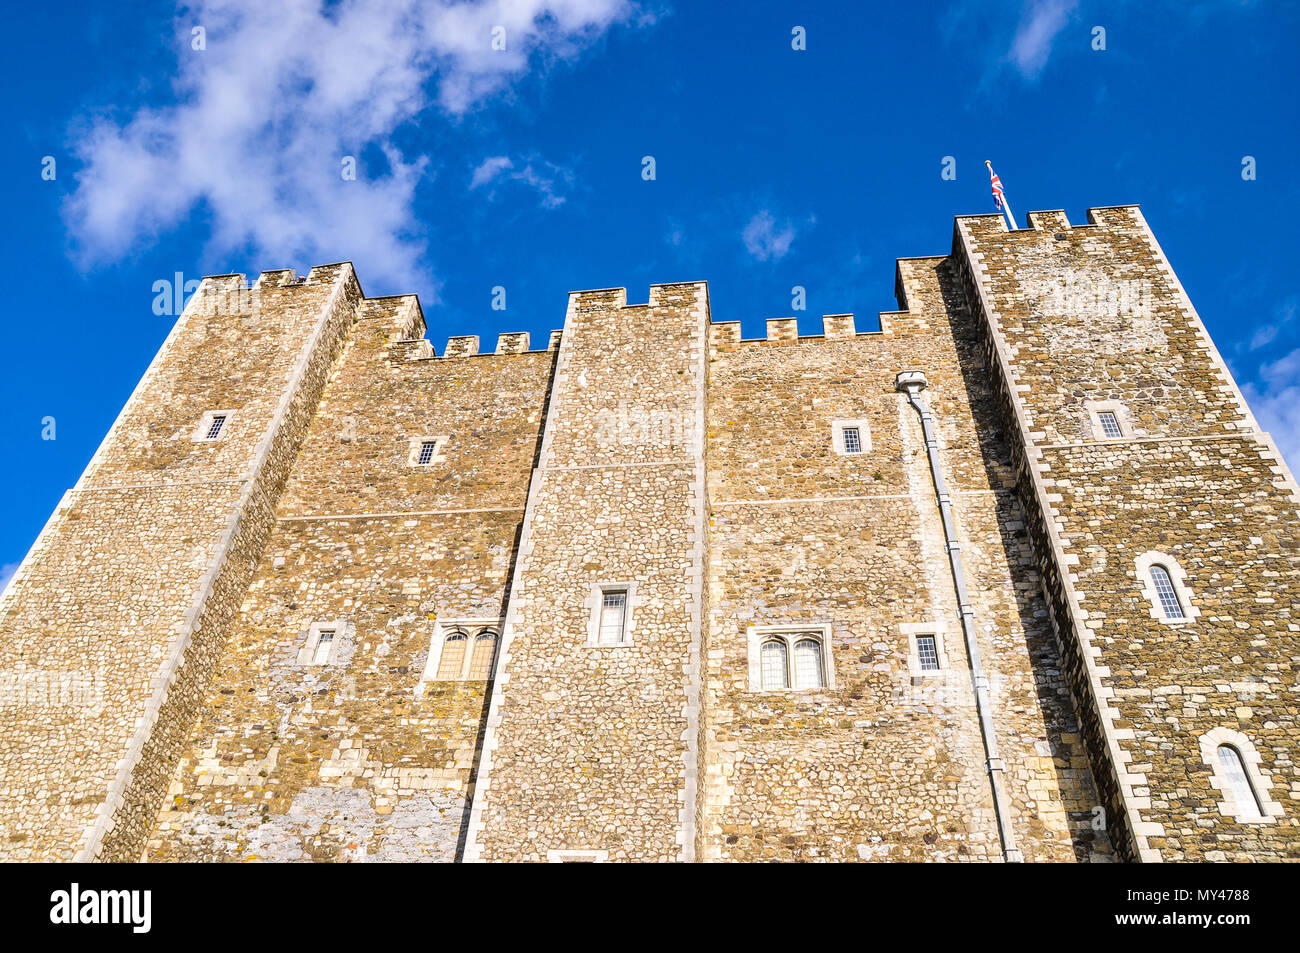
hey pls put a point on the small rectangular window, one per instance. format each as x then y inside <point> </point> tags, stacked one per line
<point>324,642</point>
<point>427,450</point>
<point>214,428</point>
<point>1109,421</point>
<point>613,614</point>
<point>928,653</point>
<point>851,438</point>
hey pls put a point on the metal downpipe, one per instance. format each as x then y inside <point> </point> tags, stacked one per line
<point>912,383</point>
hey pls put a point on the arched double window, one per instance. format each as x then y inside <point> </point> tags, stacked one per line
<point>466,652</point>
<point>787,659</point>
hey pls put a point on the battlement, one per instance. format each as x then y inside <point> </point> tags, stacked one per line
<point>1051,220</point>
<point>835,327</point>
<point>409,348</point>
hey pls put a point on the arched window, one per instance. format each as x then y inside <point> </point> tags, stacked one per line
<point>807,664</point>
<point>790,658</point>
<point>775,665</point>
<point>1166,593</point>
<point>453,655</point>
<point>485,649</point>
<point>1245,800</point>
<point>1165,585</point>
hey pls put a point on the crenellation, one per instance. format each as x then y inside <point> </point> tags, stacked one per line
<point>836,327</point>
<point>1053,220</point>
<point>512,342</point>
<point>783,330</point>
<point>463,346</point>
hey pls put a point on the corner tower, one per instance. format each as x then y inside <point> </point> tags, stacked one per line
<point>116,617</point>
<point>1165,525</point>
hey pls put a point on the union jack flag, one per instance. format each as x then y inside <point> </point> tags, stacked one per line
<point>997,186</point>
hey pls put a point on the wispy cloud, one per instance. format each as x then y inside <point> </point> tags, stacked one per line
<point>765,239</point>
<point>1041,23</point>
<point>1277,407</point>
<point>1282,320</point>
<point>7,571</point>
<point>261,126</point>
<point>979,29</point>
<point>1273,391</point>
<point>546,178</point>
<point>489,169</point>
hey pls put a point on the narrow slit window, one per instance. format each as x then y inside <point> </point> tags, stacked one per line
<point>485,650</point>
<point>214,428</point>
<point>927,651</point>
<point>1110,427</point>
<point>453,656</point>
<point>775,666</point>
<point>808,664</point>
<point>427,450</point>
<point>613,617</point>
<point>852,440</point>
<point>1169,602</point>
<point>324,642</point>
<point>1244,797</point>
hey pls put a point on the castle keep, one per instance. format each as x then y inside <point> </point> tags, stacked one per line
<point>1013,578</point>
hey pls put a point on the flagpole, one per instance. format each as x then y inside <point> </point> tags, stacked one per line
<point>1006,206</point>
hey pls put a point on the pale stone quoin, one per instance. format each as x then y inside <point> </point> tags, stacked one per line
<point>655,592</point>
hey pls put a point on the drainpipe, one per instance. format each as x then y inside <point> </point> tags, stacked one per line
<point>912,383</point>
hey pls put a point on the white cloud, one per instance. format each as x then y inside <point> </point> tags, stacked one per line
<point>489,169</point>
<point>1273,391</point>
<point>1277,408</point>
<point>1039,26</point>
<point>765,240</point>
<point>1283,316</point>
<point>265,114</point>
<point>6,573</point>
<point>548,183</point>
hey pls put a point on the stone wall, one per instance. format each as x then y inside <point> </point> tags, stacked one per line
<point>129,592</point>
<point>594,747</point>
<point>1094,313</point>
<point>881,765</point>
<point>366,756</point>
<point>161,637</point>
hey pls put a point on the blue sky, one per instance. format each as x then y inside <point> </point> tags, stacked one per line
<point>522,168</point>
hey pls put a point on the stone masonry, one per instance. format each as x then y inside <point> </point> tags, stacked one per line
<point>653,592</point>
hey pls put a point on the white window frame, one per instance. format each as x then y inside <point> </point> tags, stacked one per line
<point>205,424</point>
<point>1177,576</point>
<point>1260,782</point>
<point>596,598</point>
<point>564,856</point>
<point>756,635</point>
<point>864,436</point>
<point>472,629</point>
<point>307,654</point>
<point>417,444</point>
<point>912,631</point>
<point>1098,407</point>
